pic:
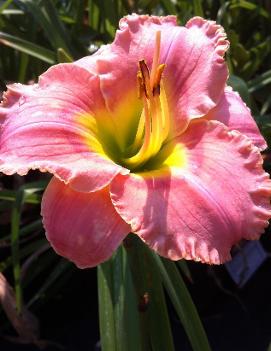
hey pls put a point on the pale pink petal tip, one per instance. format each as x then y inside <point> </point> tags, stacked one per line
<point>215,32</point>
<point>83,227</point>
<point>199,211</point>
<point>196,57</point>
<point>234,113</point>
<point>134,20</point>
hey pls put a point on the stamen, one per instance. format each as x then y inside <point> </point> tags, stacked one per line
<point>164,112</point>
<point>156,56</point>
<point>158,76</point>
<point>145,77</point>
<point>154,123</point>
<point>140,85</point>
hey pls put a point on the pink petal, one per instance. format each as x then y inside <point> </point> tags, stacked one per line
<point>233,112</point>
<point>83,227</point>
<point>195,72</point>
<point>200,210</point>
<point>196,69</point>
<point>45,126</point>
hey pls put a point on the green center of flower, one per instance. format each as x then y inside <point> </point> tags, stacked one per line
<point>154,122</point>
<point>136,135</point>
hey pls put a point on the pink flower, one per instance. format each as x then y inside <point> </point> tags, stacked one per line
<point>143,136</point>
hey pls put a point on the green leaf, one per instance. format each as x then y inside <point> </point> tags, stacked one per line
<point>183,303</point>
<point>5,5</point>
<point>252,7</point>
<point>28,48</point>
<point>12,12</point>
<point>63,56</point>
<point>239,85</point>
<point>259,82</point>
<point>10,195</point>
<point>258,54</point>
<point>184,269</point>
<point>106,309</point>
<point>118,316</point>
<point>169,7</point>
<point>15,231</point>
<point>15,251</point>
<point>125,307</point>
<point>93,15</point>
<point>198,8</point>
<point>41,260</point>
<point>155,325</point>
<point>24,252</point>
<point>47,17</point>
<point>222,11</point>
<point>79,16</point>
<point>265,107</point>
<point>31,227</point>
<point>59,270</point>
<point>23,67</point>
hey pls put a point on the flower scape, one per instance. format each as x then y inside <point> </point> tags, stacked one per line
<point>146,137</point>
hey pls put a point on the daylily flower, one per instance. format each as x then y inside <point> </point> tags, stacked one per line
<point>144,137</point>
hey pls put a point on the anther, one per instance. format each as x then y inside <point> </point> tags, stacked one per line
<point>145,73</point>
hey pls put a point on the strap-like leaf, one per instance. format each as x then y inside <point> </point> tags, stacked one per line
<point>28,48</point>
<point>155,325</point>
<point>182,302</point>
<point>118,314</point>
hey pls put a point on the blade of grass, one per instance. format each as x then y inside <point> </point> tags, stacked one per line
<point>252,7</point>
<point>93,15</point>
<point>59,270</point>
<point>5,5</point>
<point>198,10</point>
<point>182,302</point>
<point>28,48</point>
<point>125,307</point>
<point>24,252</point>
<point>169,7</point>
<point>35,225</point>
<point>79,16</point>
<point>63,56</point>
<point>15,251</point>
<point>46,16</point>
<point>155,325</point>
<point>222,11</point>
<point>24,61</point>
<point>259,82</point>
<point>46,262</point>
<point>118,299</point>
<point>131,320</point>
<point>5,206</point>
<point>238,84</point>
<point>10,195</point>
<point>185,270</point>
<point>118,315</point>
<point>15,226</point>
<point>106,309</point>
<point>12,12</point>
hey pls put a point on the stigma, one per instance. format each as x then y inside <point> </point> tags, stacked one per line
<point>154,123</point>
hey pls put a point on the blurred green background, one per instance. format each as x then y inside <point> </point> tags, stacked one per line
<point>35,34</point>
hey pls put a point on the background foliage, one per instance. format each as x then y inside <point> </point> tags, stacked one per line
<point>35,34</point>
